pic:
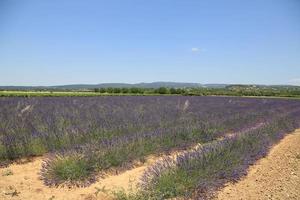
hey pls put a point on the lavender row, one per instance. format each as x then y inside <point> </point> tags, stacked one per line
<point>196,173</point>
<point>34,126</point>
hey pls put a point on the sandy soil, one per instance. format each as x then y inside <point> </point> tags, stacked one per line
<point>24,184</point>
<point>276,176</point>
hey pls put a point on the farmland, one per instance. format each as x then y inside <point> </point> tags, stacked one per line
<point>83,138</point>
<point>161,88</point>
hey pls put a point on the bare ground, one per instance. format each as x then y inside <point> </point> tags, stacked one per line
<point>24,183</point>
<point>275,177</point>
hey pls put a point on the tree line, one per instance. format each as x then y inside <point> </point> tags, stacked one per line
<point>227,91</point>
<point>136,90</point>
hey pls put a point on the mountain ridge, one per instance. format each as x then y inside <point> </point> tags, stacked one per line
<point>138,85</point>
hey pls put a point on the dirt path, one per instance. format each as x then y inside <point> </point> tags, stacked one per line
<point>24,184</point>
<point>276,176</point>
<point>21,182</point>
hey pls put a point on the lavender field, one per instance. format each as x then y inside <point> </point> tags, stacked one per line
<point>82,137</point>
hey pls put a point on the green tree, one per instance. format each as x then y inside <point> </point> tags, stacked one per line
<point>135,90</point>
<point>116,90</point>
<point>162,90</point>
<point>173,91</point>
<point>102,90</point>
<point>109,90</point>
<point>124,90</point>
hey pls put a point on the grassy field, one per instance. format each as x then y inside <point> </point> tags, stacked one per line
<point>85,137</point>
<point>58,94</point>
<point>15,93</point>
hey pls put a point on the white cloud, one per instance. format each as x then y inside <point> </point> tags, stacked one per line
<point>295,81</point>
<point>195,49</point>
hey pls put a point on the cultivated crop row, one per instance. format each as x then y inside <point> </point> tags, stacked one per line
<point>195,174</point>
<point>85,136</point>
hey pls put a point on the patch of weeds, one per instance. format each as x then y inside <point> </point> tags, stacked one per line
<point>52,197</point>
<point>141,195</point>
<point>130,194</point>
<point>7,172</point>
<point>120,194</point>
<point>98,190</point>
<point>12,192</point>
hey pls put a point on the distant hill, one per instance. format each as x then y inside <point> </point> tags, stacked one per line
<point>127,85</point>
<point>105,85</point>
<point>141,85</point>
<point>215,85</point>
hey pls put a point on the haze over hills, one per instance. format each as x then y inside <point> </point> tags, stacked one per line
<point>128,85</point>
<point>138,85</point>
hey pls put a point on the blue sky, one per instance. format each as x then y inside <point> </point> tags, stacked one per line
<point>54,42</point>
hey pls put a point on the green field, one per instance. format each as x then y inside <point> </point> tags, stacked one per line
<point>186,92</point>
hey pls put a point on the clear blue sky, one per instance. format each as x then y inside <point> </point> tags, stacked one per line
<point>52,42</point>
